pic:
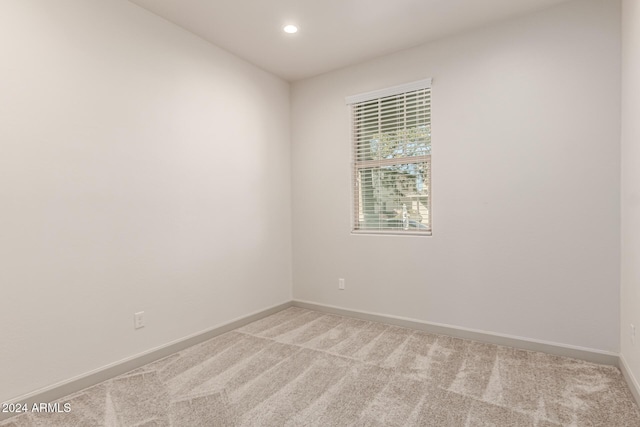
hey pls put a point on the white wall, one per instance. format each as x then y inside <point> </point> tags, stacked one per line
<point>141,168</point>
<point>630,293</point>
<point>526,175</point>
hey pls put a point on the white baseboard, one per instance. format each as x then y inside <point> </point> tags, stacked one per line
<point>89,379</point>
<point>631,380</point>
<point>582,353</point>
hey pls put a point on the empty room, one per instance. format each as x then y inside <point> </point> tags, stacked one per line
<point>319,213</point>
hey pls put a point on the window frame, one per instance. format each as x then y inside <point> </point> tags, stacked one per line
<point>358,165</point>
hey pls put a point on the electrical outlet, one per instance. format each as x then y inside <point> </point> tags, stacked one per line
<point>341,284</point>
<point>633,334</point>
<point>138,320</point>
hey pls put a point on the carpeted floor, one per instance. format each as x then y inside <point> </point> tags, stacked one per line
<point>305,368</point>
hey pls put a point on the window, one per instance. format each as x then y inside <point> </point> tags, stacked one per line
<point>391,137</point>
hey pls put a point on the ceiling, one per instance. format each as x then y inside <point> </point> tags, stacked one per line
<point>333,33</point>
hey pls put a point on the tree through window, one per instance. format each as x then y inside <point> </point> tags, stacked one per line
<point>392,160</point>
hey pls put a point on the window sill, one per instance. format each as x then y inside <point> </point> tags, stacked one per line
<point>391,233</point>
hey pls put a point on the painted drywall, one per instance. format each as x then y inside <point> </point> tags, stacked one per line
<point>526,183</point>
<point>141,169</point>
<point>630,290</point>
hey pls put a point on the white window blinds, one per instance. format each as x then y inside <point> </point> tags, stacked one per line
<point>391,137</point>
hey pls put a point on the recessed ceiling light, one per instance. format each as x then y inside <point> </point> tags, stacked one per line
<point>291,29</point>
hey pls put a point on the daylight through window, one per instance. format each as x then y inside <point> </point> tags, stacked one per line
<point>391,139</point>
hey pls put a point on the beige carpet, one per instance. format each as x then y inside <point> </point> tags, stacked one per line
<point>304,368</point>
